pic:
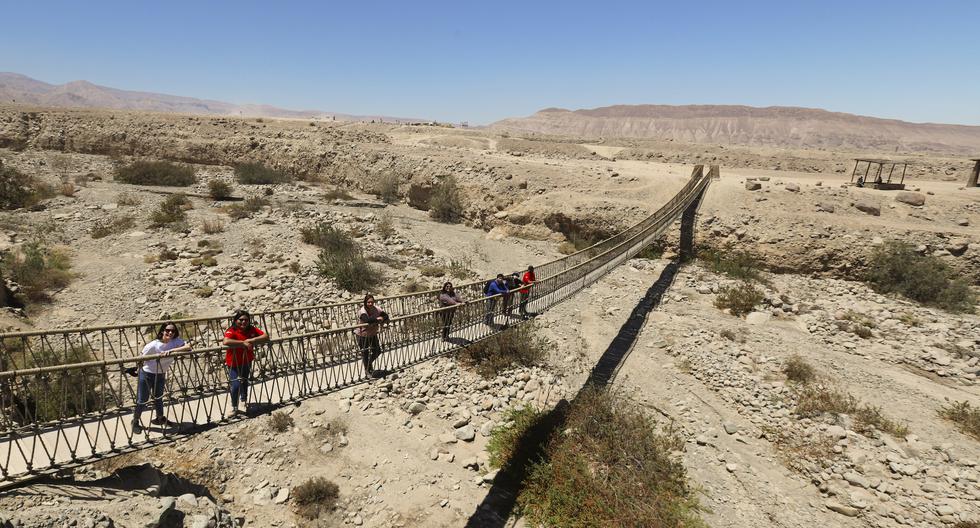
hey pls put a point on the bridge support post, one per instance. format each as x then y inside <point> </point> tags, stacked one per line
<point>972,182</point>
<point>690,215</point>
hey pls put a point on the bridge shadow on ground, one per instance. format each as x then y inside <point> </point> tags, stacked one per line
<point>499,503</point>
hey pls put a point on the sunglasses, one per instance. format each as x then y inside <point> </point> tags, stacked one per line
<point>242,319</point>
<point>170,330</point>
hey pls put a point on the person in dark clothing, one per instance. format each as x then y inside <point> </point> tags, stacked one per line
<point>495,287</point>
<point>527,279</point>
<point>367,336</point>
<point>448,297</point>
<point>513,282</point>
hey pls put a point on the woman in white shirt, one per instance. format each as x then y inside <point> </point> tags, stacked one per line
<point>153,374</point>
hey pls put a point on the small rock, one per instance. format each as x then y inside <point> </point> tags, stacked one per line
<point>416,407</point>
<point>752,185</point>
<point>466,433</point>
<point>868,207</point>
<point>835,506</point>
<point>792,187</point>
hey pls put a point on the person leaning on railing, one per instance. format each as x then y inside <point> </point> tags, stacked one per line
<point>448,297</point>
<point>372,318</point>
<point>152,374</point>
<point>240,339</point>
<point>527,279</point>
<point>495,287</point>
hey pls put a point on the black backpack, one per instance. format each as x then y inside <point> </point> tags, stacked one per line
<point>486,287</point>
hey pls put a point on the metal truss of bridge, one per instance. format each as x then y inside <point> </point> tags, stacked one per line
<point>57,412</point>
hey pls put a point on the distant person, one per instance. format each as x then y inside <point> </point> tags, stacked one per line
<point>513,282</point>
<point>495,287</point>
<point>152,375</point>
<point>240,340</point>
<point>527,279</point>
<point>448,298</point>
<point>367,336</point>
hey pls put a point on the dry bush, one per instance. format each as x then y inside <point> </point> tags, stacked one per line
<point>219,190</point>
<point>341,258</point>
<point>61,394</point>
<point>461,268</point>
<point>162,173</point>
<point>259,174</point>
<point>386,225</point>
<point>314,497</point>
<point>171,211</point>
<point>895,267</point>
<point>212,226</point>
<point>112,226</point>
<point>516,346</point>
<point>967,524</point>
<point>387,188</point>
<point>37,269</point>
<point>798,370</point>
<point>280,422</point>
<point>813,401</point>
<point>965,416</point>
<point>247,208</point>
<point>294,267</point>
<point>412,286</point>
<point>336,193</point>
<point>207,261</point>
<point>168,254</point>
<point>739,299</point>
<point>505,439</point>
<point>610,465</point>
<point>387,260</point>
<point>67,189</point>
<point>128,198</point>
<point>446,202</point>
<point>325,236</point>
<point>735,263</point>
<point>798,451</point>
<point>432,270</point>
<point>566,248</point>
<point>20,190</point>
<point>204,292</point>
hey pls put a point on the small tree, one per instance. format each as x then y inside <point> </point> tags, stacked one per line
<point>446,204</point>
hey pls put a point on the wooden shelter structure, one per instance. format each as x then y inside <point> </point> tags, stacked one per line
<point>972,182</point>
<point>873,177</point>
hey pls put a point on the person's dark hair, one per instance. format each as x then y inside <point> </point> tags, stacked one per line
<point>239,313</point>
<point>446,286</point>
<point>164,326</point>
<point>500,275</point>
<point>366,297</point>
<point>530,268</point>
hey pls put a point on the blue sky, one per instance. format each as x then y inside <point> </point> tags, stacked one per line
<point>483,61</point>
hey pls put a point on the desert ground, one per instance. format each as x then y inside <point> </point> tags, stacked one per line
<point>717,377</point>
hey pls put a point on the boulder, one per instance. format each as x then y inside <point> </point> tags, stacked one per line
<point>752,185</point>
<point>792,187</point>
<point>825,207</point>
<point>869,208</point>
<point>911,198</point>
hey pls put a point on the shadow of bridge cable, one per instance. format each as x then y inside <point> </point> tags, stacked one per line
<point>499,502</point>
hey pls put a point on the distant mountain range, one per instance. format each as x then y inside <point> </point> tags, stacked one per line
<point>776,126</point>
<point>21,89</point>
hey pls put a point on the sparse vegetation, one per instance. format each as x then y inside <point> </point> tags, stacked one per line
<point>446,203</point>
<point>388,260</point>
<point>212,226</point>
<point>412,286</point>
<point>112,226</point>
<point>60,394</point>
<point>798,370</point>
<point>461,268</point>
<point>316,496</point>
<point>965,416</point>
<point>280,422</point>
<point>128,198</point>
<point>219,190</point>
<point>204,292</point>
<point>207,261</point>
<point>337,193</point>
<point>325,236</point>
<point>247,208</point>
<point>37,269</point>
<point>739,299</point>
<point>430,270</point>
<point>516,346</point>
<point>735,263</point>
<point>814,400</point>
<point>163,173</point>
<point>895,267</point>
<point>171,211</point>
<point>387,188</point>
<point>505,439</point>
<point>67,189</point>
<point>259,174</point>
<point>20,190</point>
<point>566,248</point>
<point>386,225</point>
<point>610,465</point>
<point>341,258</point>
<point>168,254</point>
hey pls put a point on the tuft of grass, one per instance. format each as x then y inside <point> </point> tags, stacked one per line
<point>737,264</point>
<point>446,202</point>
<point>566,248</point>
<point>247,208</point>
<point>337,193</point>
<point>895,267</point>
<point>325,236</point>
<point>516,346</point>
<point>128,198</point>
<point>294,267</point>
<point>388,260</point>
<point>349,269</point>
<point>67,189</point>
<point>112,226</point>
<point>171,211</point>
<point>212,226</point>
<point>798,370</point>
<point>386,225</point>
<point>740,299</point>
<point>412,286</point>
<point>204,292</point>
<point>21,190</point>
<point>207,261</point>
<point>168,254</point>
<point>505,439</point>
<point>259,174</point>
<point>965,416</point>
<point>314,497</point>
<point>430,270</point>
<point>37,269</point>
<point>280,422</point>
<point>163,173</point>
<point>813,401</point>
<point>611,465</point>
<point>219,190</point>
<point>387,188</point>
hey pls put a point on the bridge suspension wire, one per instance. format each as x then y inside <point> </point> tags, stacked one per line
<point>61,408</point>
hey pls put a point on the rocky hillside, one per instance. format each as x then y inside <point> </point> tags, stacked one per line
<point>773,126</point>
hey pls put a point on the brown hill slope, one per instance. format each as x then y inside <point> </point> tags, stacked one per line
<point>745,125</point>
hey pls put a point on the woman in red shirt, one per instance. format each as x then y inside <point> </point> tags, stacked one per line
<point>528,279</point>
<point>240,340</point>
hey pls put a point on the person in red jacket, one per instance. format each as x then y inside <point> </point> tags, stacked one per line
<point>527,279</point>
<point>240,340</point>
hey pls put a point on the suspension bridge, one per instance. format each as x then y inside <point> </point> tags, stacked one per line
<point>67,400</point>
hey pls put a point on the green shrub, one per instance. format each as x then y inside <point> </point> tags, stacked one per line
<point>446,203</point>
<point>112,226</point>
<point>965,416</point>
<point>315,497</point>
<point>610,465</point>
<point>350,270</point>
<point>505,439</point>
<point>128,198</point>
<point>429,270</point>
<point>461,268</point>
<point>247,208</point>
<point>60,394</point>
<point>162,173</point>
<point>740,299</point>
<point>798,370</point>
<point>387,188</point>
<point>219,190</point>
<point>516,346</point>
<point>20,190</point>
<point>325,236</point>
<point>737,264</point>
<point>816,400</point>
<point>259,174</point>
<point>336,193</point>
<point>895,267</point>
<point>38,269</point>
<point>171,211</point>
<point>386,225</point>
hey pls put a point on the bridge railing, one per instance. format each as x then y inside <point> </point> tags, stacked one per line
<point>57,409</point>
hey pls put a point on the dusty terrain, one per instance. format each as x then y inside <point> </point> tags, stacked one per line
<point>717,376</point>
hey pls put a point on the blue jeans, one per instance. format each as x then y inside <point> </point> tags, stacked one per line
<point>149,382</point>
<point>239,383</point>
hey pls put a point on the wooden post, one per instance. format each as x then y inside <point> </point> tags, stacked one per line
<point>972,182</point>
<point>687,218</point>
<point>854,172</point>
